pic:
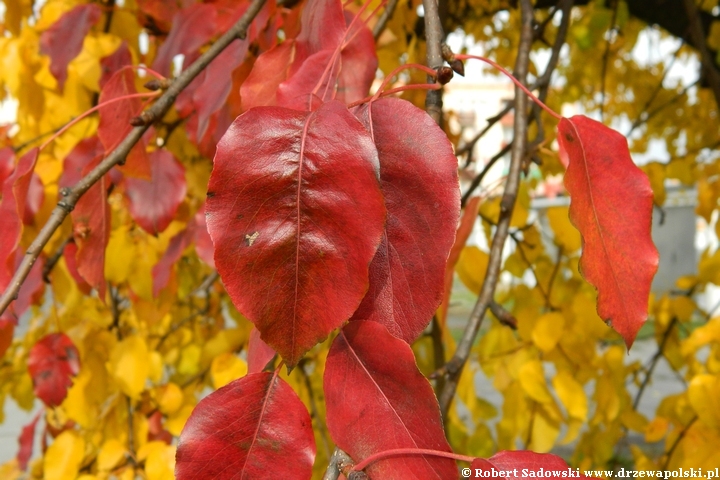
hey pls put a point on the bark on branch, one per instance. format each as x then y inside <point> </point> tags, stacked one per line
<point>157,111</point>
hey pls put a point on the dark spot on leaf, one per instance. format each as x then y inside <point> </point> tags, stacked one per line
<point>568,137</point>
<point>210,194</point>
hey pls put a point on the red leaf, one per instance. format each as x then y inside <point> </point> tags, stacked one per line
<point>418,177</point>
<point>115,122</point>
<point>203,243</point>
<point>52,363</point>
<point>259,353</point>
<point>114,62</point>
<point>34,200</point>
<point>269,71</point>
<point>87,150</point>
<point>378,401</point>
<point>91,231</point>
<point>153,203</point>
<point>7,163</point>
<point>63,41</point>
<point>249,428</point>
<point>161,271</point>
<point>69,253</point>
<point>158,13</point>
<point>30,290</point>
<point>359,62</point>
<point>611,206</point>
<point>519,464</point>
<point>467,222</point>
<point>192,27</point>
<point>26,441</point>
<point>12,211</point>
<point>7,328</point>
<point>296,214</point>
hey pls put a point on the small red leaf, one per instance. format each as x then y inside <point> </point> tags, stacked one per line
<point>26,441</point>
<point>269,71</point>
<point>192,27</point>
<point>161,271</point>
<point>63,41</point>
<point>7,328</point>
<point>611,206</point>
<point>259,353</point>
<point>418,177</point>
<point>296,214</point>
<point>203,243</point>
<point>114,62</point>
<point>12,211</point>
<point>254,427</point>
<point>52,363</point>
<point>153,203</point>
<point>87,150</point>
<point>91,231</point>
<point>523,464</point>
<point>115,122</point>
<point>69,253</point>
<point>7,163</point>
<point>467,222</point>
<point>389,404</point>
<point>34,200</point>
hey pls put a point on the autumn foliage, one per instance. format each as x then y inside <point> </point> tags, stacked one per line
<point>229,233</point>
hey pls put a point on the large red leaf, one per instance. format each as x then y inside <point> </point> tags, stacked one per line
<point>153,203</point>
<point>192,27</point>
<point>115,61</point>
<point>115,122</point>
<point>418,177</point>
<point>611,206</point>
<point>91,231</point>
<point>87,150</point>
<point>12,211</point>
<point>522,464</point>
<point>52,363</point>
<point>7,163</point>
<point>254,427</point>
<point>296,214</point>
<point>377,400</point>
<point>63,41</point>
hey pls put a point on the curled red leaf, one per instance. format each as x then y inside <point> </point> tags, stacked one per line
<point>52,363</point>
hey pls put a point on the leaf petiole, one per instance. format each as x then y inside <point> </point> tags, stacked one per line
<point>410,451</point>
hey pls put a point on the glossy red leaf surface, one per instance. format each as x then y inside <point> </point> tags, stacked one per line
<point>611,206</point>
<point>519,464</point>
<point>52,363</point>
<point>115,122</point>
<point>192,27</point>
<point>418,177</point>
<point>377,401</point>
<point>467,222</point>
<point>12,210</point>
<point>26,441</point>
<point>254,427</point>
<point>91,231</point>
<point>63,41</point>
<point>296,214</point>
<point>259,353</point>
<point>153,203</point>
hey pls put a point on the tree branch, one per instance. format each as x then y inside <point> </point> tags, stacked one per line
<point>697,35</point>
<point>156,112</point>
<point>433,39</point>
<point>507,204</point>
<point>384,18</point>
<point>338,461</point>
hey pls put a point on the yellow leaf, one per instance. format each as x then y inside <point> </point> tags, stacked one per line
<point>566,235</point>
<point>548,330</point>
<point>63,458</point>
<point>571,395</point>
<point>704,395</point>
<point>656,173</point>
<point>226,368</point>
<point>532,380</point>
<point>656,429</point>
<point>159,460</point>
<point>189,360</point>
<point>119,256</point>
<point>111,454</point>
<point>129,365</point>
<point>544,433</point>
<point>169,398</point>
<point>684,307</point>
<point>227,340</point>
<point>175,423</point>
<point>76,403</point>
<point>471,268</point>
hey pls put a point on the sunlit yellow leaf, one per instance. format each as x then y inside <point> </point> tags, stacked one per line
<point>64,456</point>
<point>704,395</point>
<point>533,382</point>
<point>129,365</point>
<point>176,422</point>
<point>548,330</point>
<point>566,235</point>
<point>656,429</point>
<point>226,368</point>
<point>111,454</point>
<point>571,395</point>
<point>169,398</point>
<point>471,268</point>
<point>189,360</point>
<point>159,460</point>
<point>544,433</point>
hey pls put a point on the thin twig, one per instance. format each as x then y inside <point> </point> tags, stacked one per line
<point>157,111</point>
<point>433,38</point>
<point>605,58</point>
<point>712,74</point>
<point>52,261</point>
<point>507,204</point>
<point>314,412</point>
<point>384,18</point>
<point>338,461</point>
<point>682,434</point>
<point>656,358</point>
<point>504,317</point>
